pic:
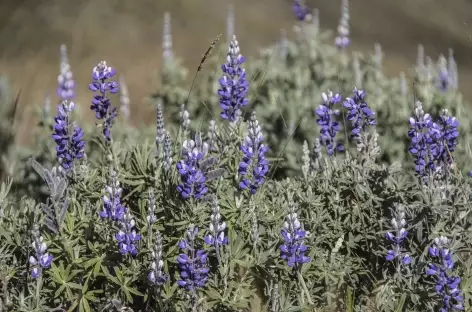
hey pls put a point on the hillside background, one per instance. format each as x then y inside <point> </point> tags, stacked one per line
<point>128,35</point>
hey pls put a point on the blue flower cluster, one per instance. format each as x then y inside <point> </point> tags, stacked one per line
<point>101,104</point>
<point>397,237</point>
<point>329,126</point>
<point>193,263</point>
<point>293,250</point>
<point>127,237</point>
<point>253,156</point>
<point>447,285</point>
<point>113,210</point>
<point>67,136</point>
<point>432,143</point>
<point>112,207</point>
<point>359,113</point>
<point>234,84</point>
<point>300,10</point>
<point>40,259</point>
<point>193,179</point>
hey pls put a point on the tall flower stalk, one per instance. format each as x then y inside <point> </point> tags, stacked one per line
<point>359,113</point>
<point>326,113</point>
<point>101,104</point>
<point>193,267</point>
<point>65,89</point>
<point>447,285</point>
<point>397,236</point>
<point>342,40</point>
<point>234,84</point>
<point>254,166</point>
<point>193,180</point>
<point>40,259</point>
<point>68,136</point>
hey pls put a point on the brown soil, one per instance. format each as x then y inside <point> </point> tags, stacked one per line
<point>128,35</point>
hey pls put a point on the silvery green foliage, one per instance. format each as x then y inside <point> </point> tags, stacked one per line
<point>56,181</point>
<point>344,203</point>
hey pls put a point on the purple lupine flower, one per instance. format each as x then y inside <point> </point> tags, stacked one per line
<point>67,136</point>
<point>342,40</point>
<point>217,227</point>
<point>253,157</point>
<point>359,113</point>
<point>300,10</point>
<point>234,84</point>
<point>40,259</point>
<point>397,237</point>
<point>444,139</point>
<point>420,135</point>
<point>447,285</point>
<point>293,250</point>
<point>192,263</point>
<point>157,275</point>
<point>127,236</point>
<point>66,84</point>
<point>112,207</point>
<point>101,103</point>
<point>329,126</point>
<point>192,177</point>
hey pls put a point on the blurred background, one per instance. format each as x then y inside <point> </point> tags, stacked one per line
<point>128,35</point>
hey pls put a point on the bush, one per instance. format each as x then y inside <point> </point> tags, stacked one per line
<point>296,199</point>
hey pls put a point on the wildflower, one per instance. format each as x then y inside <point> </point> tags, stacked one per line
<point>67,136</point>
<point>192,263</point>
<point>127,236</point>
<point>293,250</point>
<point>217,227</point>
<point>447,285</point>
<point>40,259</point>
<point>342,40</point>
<point>444,139</point>
<point>65,80</point>
<point>397,237</point>
<point>112,207</point>
<point>300,10</point>
<point>157,276</point>
<point>253,155</point>
<point>359,113</point>
<point>101,103</point>
<point>193,179</point>
<point>329,126</point>
<point>420,135</point>
<point>234,84</point>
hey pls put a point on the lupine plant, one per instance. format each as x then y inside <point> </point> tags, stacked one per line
<point>289,211</point>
